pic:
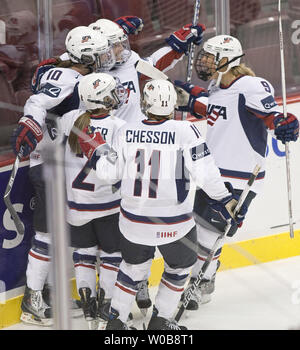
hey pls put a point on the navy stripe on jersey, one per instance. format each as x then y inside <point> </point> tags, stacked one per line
<point>167,220</point>
<point>196,131</point>
<point>94,207</point>
<point>182,178</point>
<point>254,128</point>
<point>68,104</point>
<point>90,259</point>
<point>240,174</point>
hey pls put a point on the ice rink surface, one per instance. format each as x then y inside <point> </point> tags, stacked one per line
<point>259,297</point>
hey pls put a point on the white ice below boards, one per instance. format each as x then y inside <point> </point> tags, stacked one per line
<point>259,297</point>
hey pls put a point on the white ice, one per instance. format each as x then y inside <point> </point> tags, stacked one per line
<point>260,297</point>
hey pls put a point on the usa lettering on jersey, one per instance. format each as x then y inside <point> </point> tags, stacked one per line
<point>214,112</point>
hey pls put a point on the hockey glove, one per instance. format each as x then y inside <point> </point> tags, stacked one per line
<point>226,207</point>
<point>27,134</point>
<point>286,129</point>
<point>182,38</point>
<point>41,69</point>
<point>90,141</point>
<point>187,95</point>
<point>130,24</point>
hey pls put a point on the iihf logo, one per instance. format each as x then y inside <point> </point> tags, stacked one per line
<point>85,38</point>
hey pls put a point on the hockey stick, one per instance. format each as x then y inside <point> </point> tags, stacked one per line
<point>19,225</point>
<point>217,245</point>
<point>287,152</point>
<point>150,71</point>
<point>191,50</point>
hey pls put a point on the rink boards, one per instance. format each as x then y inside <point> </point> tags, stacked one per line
<point>264,236</point>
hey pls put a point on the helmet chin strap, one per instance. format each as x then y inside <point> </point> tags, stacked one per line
<point>218,81</point>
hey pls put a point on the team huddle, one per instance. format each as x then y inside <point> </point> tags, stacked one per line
<point>137,180</point>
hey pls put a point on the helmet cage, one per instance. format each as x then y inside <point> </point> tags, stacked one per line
<point>205,70</point>
<point>116,37</point>
<point>114,99</point>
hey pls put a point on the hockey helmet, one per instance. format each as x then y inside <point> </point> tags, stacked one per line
<point>101,90</point>
<point>116,36</point>
<point>89,47</point>
<point>219,46</point>
<point>159,98</point>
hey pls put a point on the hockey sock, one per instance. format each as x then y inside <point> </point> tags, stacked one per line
<point>109,268</point>
<point>169,291</point>
<point>85,268</point>
<point>126,287</point>
<point>39,261</point>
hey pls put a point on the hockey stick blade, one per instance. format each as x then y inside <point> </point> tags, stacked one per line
<point>148,70</point>
<point>18,223</point>
<point>191,291</point>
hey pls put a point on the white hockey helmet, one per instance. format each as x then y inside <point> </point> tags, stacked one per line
<point>159,98</point>
<point>101,90</point>
<point>89,47</point>
<point>219,46</point>
<point>116,36</point>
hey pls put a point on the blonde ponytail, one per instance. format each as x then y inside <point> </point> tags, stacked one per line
<point>81,122</point>
<point>242,69</point>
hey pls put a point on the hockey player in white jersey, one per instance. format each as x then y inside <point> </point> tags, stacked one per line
<point>93,206</point>
<point>164,59</point>
<point>155,158</point>
<point>240,111</point>
<point>57,94</point>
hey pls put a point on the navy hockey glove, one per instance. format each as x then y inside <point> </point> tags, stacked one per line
<point>27,134</point>
<point>226,207</point>
<point>41,69</point>
<point>182,38</point>
<point>130,24</point>
<point>89,141</point>
<point>187,95</point>
<point>286,129</point>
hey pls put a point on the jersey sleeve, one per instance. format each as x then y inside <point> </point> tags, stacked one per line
<point>164,58</point>
<point>56,85</point>
<point>260,101</point>
<point>201,165</point>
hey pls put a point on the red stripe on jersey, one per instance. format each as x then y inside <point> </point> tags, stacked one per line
<point>170,286</point>
<point>268,120</point>
<point>126,290</point>
<point>166,60</point>
<point>204,259</point>
<point>107,267</point>
<point>87,266</point>
<point>200,108</point>
<point>38,256</point>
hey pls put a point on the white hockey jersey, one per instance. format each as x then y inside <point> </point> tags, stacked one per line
<point>88,197</point>
<point>164,58</point>
<point>155,162</point>
<point>238,116</point>
<point>57,96</point>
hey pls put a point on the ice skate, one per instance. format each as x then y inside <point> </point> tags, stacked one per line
<point>161,323</point>
<point>143,298</point>
<point>114,323</point>
<point>89,307</point>
<point>34,309</point>
<point>202,293</point>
